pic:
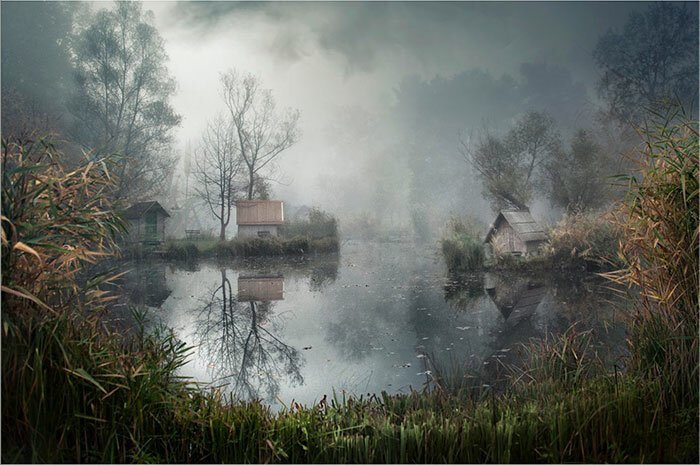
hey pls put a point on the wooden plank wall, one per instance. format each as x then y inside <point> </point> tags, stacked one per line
<point>259,212</point>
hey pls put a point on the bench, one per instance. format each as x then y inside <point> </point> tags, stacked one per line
<point>193,233</point>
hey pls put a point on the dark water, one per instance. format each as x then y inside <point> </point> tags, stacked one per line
<point>378,317</point>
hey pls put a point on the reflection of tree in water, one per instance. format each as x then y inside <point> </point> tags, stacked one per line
<point>241,350</point>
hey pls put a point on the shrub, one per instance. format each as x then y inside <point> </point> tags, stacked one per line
<point>462,249</point>
<point>584,241</point>
<point>318,225</point>
<point>181,251</point>
<point>326,245</point>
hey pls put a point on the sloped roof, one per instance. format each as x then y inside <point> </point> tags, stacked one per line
<point>259,212</point>
<point>139,209</point>
<point>522,222</point>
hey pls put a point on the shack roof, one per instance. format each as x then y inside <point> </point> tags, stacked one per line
<point>522,222</point>
<point>259,212</point>
<point>139,209</point>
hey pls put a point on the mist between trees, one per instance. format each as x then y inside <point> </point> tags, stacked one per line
<point>463,143</point>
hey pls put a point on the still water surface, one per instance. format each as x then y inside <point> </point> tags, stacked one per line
<point>376,317</point>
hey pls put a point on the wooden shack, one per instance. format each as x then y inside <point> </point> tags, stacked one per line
<point>515,232</point>
<point>259,218</point>
<point>260,288</point>
<point>146,223</point>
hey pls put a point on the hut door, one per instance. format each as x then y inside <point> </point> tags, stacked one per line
<point>151,227</point>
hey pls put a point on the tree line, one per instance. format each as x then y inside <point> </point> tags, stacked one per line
<point>106,91</point>
<point>649,66</point>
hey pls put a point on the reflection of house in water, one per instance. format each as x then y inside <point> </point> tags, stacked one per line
<point>516,298</point>
<point>260,288</point>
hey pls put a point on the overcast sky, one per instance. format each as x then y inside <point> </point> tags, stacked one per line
<point>322,57</point>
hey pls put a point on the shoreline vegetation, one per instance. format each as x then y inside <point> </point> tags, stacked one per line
<point>578,243</point>
<point>316,234</point>
<point>73,391</point>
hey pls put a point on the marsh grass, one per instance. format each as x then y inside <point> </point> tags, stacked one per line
<point>660,251</point>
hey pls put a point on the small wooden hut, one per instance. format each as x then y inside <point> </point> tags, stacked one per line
<point>515,232</point>
<point>259,218</point>
<point>146,223</point>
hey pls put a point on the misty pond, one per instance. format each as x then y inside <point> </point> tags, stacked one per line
<point>376,317</point>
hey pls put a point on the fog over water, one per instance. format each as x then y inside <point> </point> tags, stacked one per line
<point>384,89</point>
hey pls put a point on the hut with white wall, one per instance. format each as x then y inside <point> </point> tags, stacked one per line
<point>259,218</point>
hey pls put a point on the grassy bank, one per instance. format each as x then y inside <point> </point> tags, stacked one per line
<point>249,247</point>
<point>462,247</point>
<point>73,391</point>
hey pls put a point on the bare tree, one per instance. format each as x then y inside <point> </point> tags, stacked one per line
<point>217,169</point>
<point>261,133</point>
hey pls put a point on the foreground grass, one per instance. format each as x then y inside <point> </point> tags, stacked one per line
<point>75,393</point>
